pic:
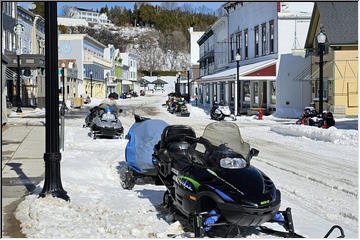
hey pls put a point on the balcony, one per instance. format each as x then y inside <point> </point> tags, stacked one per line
<point>92,59</point>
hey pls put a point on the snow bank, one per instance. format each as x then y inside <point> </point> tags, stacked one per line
<point>38,112</point>
<point>333,135</point>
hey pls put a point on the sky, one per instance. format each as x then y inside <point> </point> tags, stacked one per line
<point>97,5</point>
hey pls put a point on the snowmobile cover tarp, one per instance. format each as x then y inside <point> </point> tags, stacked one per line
<point>142,138</point>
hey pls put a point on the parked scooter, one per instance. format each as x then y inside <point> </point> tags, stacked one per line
<point>220,111</point>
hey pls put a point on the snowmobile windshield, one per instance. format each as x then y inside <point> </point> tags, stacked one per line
<point>228,134</point>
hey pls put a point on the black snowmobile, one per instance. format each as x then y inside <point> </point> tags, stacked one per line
<point>311,117</point>
<point>210,180</point>
<point>104,122</point>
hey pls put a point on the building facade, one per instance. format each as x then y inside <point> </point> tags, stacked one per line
<point>255,31</point>
<point>91,64</point>
<point>339,21</point>
<point>88,15</point>
<point>194,56</point>
<point>129,70</point>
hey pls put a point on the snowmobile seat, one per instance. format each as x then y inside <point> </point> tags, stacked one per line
<point>178,134</point>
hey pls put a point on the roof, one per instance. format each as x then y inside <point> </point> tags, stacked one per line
<point>159,81</point>
<point>81,36</point>
<point>339,21</point>
<point>87,10</point>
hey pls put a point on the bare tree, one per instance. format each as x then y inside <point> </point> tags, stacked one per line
<point>150,55</point>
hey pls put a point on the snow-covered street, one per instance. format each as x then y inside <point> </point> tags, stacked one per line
<point>316,171</point>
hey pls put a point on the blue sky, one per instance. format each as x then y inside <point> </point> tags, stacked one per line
<point>97,5</point>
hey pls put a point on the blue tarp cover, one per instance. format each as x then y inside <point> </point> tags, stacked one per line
<point>142,138</point>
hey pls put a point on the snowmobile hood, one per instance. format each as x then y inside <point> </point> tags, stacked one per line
<point>247,186</point>
<point>107,124</point>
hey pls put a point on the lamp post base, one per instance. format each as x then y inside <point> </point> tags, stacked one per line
<point>52,184</point>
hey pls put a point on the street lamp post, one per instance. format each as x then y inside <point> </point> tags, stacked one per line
<point>188,78</point>
<point>321,39</point>
<point>63,107</point>
<point>18,53</point>
<point>91,83</point>
<point>52,156</point>
<point>237,104</point>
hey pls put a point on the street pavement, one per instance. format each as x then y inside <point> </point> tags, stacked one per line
<point>22,164</point>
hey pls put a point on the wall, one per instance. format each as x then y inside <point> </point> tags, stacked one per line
<point>346,81</point>
<point>247,17</point>
<point>295,92</point>
<point>194,47</point>
<point>72,50</point>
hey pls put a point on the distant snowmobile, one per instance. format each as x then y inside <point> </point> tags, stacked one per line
<point>312,118</point>
<point>104,122</point>
<point>220,111</point>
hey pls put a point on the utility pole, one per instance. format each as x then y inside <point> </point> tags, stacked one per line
<point>52,156</point>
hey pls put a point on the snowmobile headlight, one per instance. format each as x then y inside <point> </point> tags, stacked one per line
<point>108,116</point>
<point>232,163</point>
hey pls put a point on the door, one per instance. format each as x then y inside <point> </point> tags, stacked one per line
<point>264,94</point>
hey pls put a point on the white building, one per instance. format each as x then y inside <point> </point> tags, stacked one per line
<point>88,15</point>
<point>129,68</point>
<point>260,32</point>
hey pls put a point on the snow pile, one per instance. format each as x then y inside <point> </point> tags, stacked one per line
<point>333,135</point>
<point>99,207</point>
<point>197,112</point>
<point>287,113</point>
<point>38,112</point>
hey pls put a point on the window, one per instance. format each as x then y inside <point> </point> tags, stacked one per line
<point>214,85</point>
<point>232,91</point>
<point>263,36</point>
<point>246,43</point>
<point>207,93</point>
<point>325,89</point>
<point>273,92</point>
<point>238,44</point>
<point>68,89</point>
<point>256,31</point>
<point>272,36</point>
<point>222,91</point>
<point>246,89</point>
<point>231,48</point>
<point>256,93</point>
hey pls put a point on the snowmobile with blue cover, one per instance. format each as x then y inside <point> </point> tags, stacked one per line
<point>104,122</point>
<point>210,180</point>
<point>142,136</point>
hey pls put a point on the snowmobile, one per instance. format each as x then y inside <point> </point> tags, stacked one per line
<point>104,122</point>
<point>210,180</point>
<point>312,118</point>
<point>181,109</point>
<point>142,136</point>
<point>220,111</point>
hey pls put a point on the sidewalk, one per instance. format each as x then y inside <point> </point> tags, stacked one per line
<point>22,164</point>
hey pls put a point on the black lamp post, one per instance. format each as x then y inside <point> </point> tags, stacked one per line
<point>63,83</point>
<point>237,104</point>
<point>52,155</point>
<point>63,107</point>
<point>321,39</point>
<point>91,83</point>
<point>18,53</point>
<point>188,78</point>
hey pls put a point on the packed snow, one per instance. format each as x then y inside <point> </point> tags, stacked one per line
<point>318,179</point>
<point>38,112</point>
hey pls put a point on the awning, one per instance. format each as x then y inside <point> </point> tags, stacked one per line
<point>245,72</point>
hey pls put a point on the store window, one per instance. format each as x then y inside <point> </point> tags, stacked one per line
<point>207,93</point>
<point>222,91</point>
<point>246,89</point>
<point>273,92</point>
<point>325,89</point>
<point>256,32</point>
<point>215,97</point>
<point>238,44</point>
<point>232,91</point>
<point>256,93</point>
<point>272,36</point>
